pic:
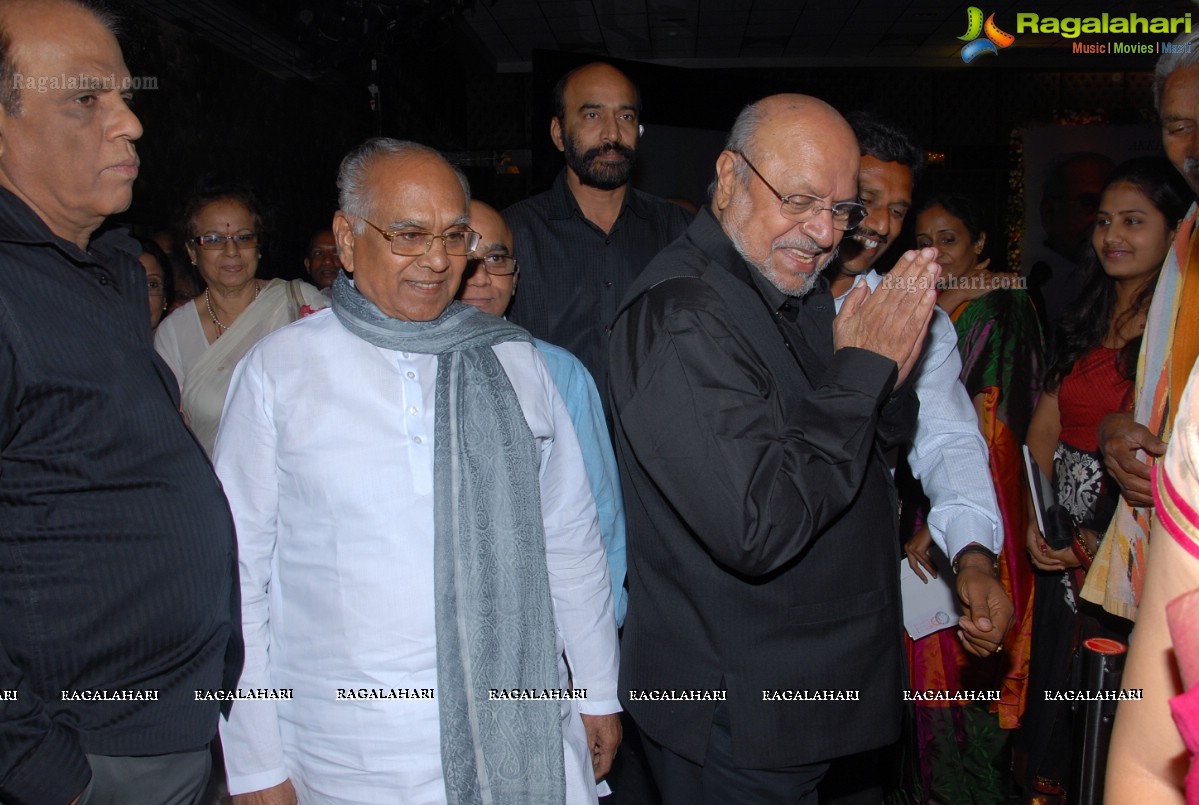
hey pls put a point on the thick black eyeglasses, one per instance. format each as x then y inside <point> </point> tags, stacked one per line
<point>497,265</point>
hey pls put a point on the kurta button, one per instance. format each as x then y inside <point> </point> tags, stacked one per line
<point>411,375</point>
<point>416,439</point>
<point>103,280</point>
<point>607,284</point>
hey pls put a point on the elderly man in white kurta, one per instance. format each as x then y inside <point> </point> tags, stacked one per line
<point>418,545</point>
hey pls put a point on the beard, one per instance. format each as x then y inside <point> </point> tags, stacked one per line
<point>789,284</point>
<point>595,173</point>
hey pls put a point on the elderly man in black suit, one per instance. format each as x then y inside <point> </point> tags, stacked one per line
<point>763,635</point>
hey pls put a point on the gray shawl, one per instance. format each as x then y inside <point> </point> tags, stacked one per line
<point>494,618</point>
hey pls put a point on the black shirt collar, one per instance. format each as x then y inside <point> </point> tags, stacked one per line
<point>20,224</point>
<point>718,245</point>
<point>563,204</point>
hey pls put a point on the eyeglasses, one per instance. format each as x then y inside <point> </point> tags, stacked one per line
<point>801,207</point>
<point>244,240</point>
<point>415,242</point>
<point>497,265</point>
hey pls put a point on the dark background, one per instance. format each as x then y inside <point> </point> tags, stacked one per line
<point>223,109</point>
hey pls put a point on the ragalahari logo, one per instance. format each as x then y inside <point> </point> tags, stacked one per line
<point>995,38</point>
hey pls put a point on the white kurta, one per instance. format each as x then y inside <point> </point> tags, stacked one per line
<point>326,454</point>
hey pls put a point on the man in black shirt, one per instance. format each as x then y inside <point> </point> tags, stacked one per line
<point>584,240</point>
<point>751,427</point>
<point>118,599</point>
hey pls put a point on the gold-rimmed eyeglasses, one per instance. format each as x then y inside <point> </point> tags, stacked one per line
<point>415,242</point>
<point>801,207</point>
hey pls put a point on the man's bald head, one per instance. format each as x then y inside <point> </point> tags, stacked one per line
<point>590,73</point>
<point>798,145</point>
<point>11,14</point>
<point>787,116</point>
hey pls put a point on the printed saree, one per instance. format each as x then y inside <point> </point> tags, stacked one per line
<point>962,746</point>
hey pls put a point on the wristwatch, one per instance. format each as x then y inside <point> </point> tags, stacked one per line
<point>974,547</point>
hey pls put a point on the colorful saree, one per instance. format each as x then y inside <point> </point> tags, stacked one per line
<point>962,746</point>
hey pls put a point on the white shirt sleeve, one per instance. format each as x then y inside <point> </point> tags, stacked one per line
<point>948,454</point>
<point>578,567</point>
<point>245,460</point>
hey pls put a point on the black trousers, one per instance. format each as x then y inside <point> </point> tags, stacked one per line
<point>178,779</point>
<point>719,782</point>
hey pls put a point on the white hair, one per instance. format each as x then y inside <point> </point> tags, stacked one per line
<point>352,175</point>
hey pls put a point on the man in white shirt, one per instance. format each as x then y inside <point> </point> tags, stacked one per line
<point>948,454</point>
<point>418,545</point>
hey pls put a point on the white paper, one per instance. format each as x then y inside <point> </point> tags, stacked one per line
<point>930,607</point>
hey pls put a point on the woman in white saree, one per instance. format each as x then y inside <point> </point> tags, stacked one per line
<point>203,340</point>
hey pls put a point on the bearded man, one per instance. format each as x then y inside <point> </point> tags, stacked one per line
<point>583,241</point>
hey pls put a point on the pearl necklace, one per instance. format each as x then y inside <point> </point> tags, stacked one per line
<point>221,328</point>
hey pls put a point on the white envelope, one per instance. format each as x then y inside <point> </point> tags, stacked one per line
<point>931,607</point>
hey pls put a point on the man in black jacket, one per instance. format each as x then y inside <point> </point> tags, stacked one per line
<point>764,633</point>
<point>118,599</point>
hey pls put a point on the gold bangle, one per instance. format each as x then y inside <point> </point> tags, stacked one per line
<point>1082,543</point>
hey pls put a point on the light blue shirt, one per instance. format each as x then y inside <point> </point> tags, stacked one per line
<point>582,399</point>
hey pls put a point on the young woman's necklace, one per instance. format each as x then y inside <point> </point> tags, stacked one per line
<point>221,328</point>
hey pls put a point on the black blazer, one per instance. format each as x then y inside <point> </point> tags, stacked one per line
<point>762,544</point>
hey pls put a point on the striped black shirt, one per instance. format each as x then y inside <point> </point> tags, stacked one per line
<point>117,551</point>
